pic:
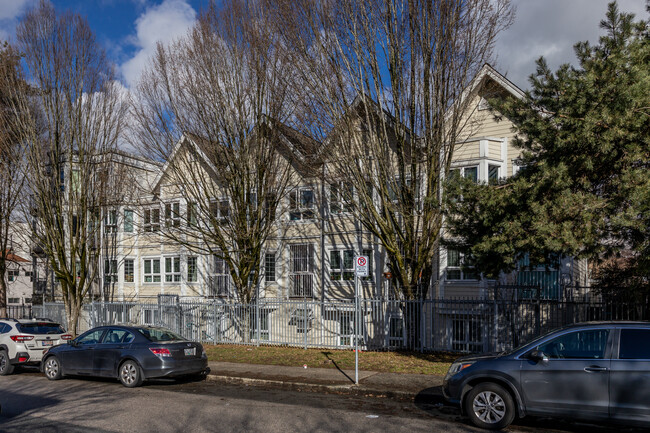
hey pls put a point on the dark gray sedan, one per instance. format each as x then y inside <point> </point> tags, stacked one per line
<point>591,371</point>
<point>130,353</point>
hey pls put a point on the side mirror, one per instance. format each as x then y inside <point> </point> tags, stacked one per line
<point>72,343</point>
<point>538,356</point>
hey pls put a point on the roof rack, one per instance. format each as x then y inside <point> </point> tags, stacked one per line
<point>43,319</point>
<point>9,318</point>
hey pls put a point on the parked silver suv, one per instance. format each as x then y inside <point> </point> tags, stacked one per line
<point>23,341</point>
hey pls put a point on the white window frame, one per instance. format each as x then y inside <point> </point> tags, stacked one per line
<point>12,274</point>
<point>172,214</point>
<point>155,278</point>
<point>132,275</point>
<point>340,272</point>
<point>461,268</point>
<point>219,278</point>
<point>191,266</point>
<point>462,171</point>
<point>339,203</point>
<point>301,270</point>
<point>173,271</point>
<point>268,268</point>
<point>149,223</point>
<point>129,221</point>
<point>110,221</point>
<point>298,211</point>
<point>221,210</point>
<point>466,334</point>
<point>110,271</point>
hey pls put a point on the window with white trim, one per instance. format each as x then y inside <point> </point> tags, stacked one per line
<point>129,270</point>
<point>128,221</point>
<point>151,268</point>
<point>470,172</point>
<point>341,197</point>
<point>342,265</point>
<point>493,173</point>
<point>110,221</point>
<point>301,204</point>
<point>172,214</point>
<point>151,219</point>
<point>269,267</point>
<point>12,274</point>
<point>110,271</point>
<point>172,269</point>
<point>192,215</point>
<point>460,266</point>
<point>220,210</point>
<point>192,270</point>
<point>219,279</point>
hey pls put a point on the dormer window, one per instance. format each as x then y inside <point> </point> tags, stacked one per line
<point>301,204</point>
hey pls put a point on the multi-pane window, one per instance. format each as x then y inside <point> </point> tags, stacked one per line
<point>12,275</point>
<point>151,270</point>
<point>368,253</point>
<point>220,278</point>
<point>460,266</point>
<point>341,197</point>
<point>13,300</point>
<point>192,270</point>
<point>110,221</point>
<point>151,217</point>
<point>269,267</point>
<point>342,265</point>
<point>129,270</point>
<point>301,204</point>
<point>172,214</point>
<point>192,219</point>
<point>110,271</point>
<point>466,172</point>
<point>128,220</point>
<point>172,269</point>
<point>301,268</point>
<point>220,210</point>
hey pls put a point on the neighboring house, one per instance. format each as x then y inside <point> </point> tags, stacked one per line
<point>19,280</point>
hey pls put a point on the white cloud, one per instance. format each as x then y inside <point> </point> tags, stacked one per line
<point>162,23</point>
<point>10,10</point>
<point>551,28</point>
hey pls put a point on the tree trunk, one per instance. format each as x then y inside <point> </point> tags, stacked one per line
<point>3,296</point>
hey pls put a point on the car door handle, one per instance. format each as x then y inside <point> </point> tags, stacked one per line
<point>595,368</point>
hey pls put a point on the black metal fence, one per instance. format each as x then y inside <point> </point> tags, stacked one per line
<point>495,323</point>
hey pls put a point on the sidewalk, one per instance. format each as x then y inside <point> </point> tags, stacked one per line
<point>329,380</point>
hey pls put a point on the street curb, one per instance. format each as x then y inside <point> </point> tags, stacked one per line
<point>357,390</point>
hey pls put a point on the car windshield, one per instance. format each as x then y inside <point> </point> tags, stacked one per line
<point>159,334</point>
<point>530,343</point>
<point>40,328</point>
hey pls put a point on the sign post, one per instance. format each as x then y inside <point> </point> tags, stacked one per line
<point>360,270</point>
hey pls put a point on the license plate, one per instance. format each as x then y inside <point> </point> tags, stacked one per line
<point>190,352</point>
<point>47,343</point>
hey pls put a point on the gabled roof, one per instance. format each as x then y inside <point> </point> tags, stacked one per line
<point>488,72</point>
<point>296,147</point>
<point>11,257</point>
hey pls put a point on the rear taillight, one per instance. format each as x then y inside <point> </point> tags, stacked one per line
<point>21,338</point>
<point>22,359</point>
<point>163,353</point>
<point>66,337</point>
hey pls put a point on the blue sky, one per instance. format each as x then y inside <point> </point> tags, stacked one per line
<point>129,29</point>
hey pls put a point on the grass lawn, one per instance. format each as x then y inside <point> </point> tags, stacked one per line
<point>389,362</point>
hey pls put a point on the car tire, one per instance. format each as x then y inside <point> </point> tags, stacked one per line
<point>52,368</point>
<point>490,406</point>
<point>5,366</point>
<point>130,374</point>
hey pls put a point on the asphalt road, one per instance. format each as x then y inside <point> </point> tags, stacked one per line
<point>31,403</point>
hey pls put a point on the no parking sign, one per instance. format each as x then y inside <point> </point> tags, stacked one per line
<point>361,266</point>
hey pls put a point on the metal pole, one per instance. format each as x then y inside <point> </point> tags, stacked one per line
<point>356,328</point>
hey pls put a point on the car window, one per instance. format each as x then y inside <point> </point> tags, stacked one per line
<point>92,337</point>
<point>4,328</point>
<point>635,344</point>
<point>160,334</point>
<point>588,344</point>
<point>115,336</point>
<point>40,328</point>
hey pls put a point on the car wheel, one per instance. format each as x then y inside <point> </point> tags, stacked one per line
<point>52,368</point>
<point>5,366</point>
<point>490,406</point>
<point>130,374</point>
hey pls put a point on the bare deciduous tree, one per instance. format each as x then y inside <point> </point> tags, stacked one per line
<point>11,157</point>
<point>75,118</point>
<point>212,105</point>
<point>385,81</point>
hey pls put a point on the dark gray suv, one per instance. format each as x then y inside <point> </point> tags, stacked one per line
<point>591,371</point>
